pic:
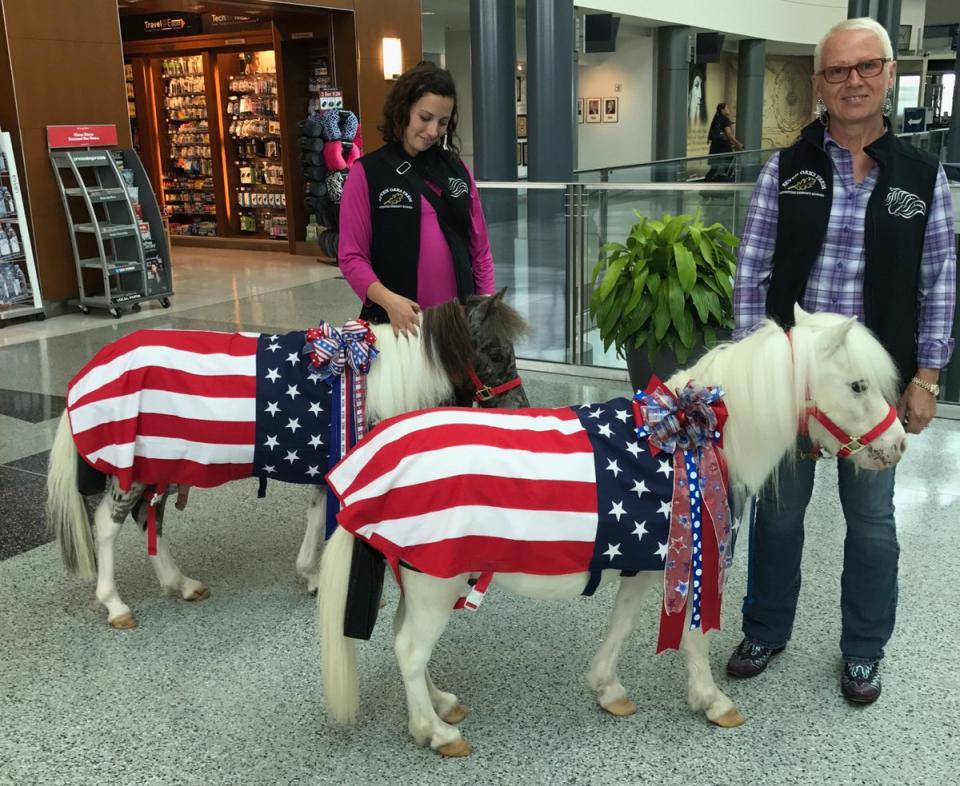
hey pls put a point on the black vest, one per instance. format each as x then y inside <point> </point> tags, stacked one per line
<point>896,220</point>
<point>395,220</point>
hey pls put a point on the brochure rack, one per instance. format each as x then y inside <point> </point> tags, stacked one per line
<point>19,285</point>
<point>108,200</point>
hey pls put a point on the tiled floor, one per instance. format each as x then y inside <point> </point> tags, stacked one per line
<point>227,691</point>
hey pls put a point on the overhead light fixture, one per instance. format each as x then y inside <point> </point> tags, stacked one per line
<point>392,58</point>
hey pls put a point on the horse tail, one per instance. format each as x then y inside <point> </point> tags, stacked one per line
<point>338,654</point>
<point>66,514</point>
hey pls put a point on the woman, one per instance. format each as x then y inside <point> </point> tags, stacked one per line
<point>806,241</point>
<point>722,140</point>
<point>412,231</point>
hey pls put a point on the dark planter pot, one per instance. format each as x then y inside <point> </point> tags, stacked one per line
<point>664,361</point>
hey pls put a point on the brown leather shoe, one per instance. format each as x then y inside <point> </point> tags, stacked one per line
<point>750,658</point>
<point>860,682</point>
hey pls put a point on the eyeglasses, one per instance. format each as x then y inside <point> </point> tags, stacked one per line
<point>866,69</point>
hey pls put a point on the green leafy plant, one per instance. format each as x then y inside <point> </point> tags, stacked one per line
<point>670,281</point>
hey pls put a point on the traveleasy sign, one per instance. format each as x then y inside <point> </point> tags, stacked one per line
<point>160,25</point>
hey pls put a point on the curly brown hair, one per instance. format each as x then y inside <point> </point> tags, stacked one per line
<point>410,87</point>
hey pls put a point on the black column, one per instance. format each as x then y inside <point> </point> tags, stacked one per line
<point>550,90</point>
<point>752,58</point>
<point>493,46</point>
<point>858,8</point>
<point>673,73</point>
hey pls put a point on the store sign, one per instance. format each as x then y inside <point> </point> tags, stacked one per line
<point>82,136</point>
<point>159,25</point>
<point>216,23</point>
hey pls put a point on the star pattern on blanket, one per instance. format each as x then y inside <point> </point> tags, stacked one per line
<point>293,417</point>
<point>633,491</point>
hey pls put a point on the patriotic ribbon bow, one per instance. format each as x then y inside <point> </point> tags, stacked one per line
<point>688,420</point>
<point>689,425</point>
<point>332,350</point>
<point>342,358</point>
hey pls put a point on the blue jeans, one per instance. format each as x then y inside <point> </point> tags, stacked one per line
<point>868,587</point>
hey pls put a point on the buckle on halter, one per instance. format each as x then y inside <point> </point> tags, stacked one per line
<point>484,393</point>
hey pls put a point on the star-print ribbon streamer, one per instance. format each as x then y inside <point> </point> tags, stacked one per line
<point>343,358</point>
<point>689,425</point>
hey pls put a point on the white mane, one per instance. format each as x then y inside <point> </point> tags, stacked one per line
<point>402,378</point>
<point>757,378</point>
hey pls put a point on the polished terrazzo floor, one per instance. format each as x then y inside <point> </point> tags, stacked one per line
<point>227,691</point>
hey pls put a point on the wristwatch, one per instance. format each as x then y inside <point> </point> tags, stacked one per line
<point>931,387</point>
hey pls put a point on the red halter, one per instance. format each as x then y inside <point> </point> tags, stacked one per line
<point>485,392</point>
<point>849,445</point>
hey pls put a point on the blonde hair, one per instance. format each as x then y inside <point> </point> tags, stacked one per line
<point>857,23</point>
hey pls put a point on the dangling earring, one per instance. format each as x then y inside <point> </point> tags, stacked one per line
<point>888,104</point>
<point>822,114</point>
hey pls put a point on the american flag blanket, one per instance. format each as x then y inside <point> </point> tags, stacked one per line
<point>539,491</point>
<point>202,408</point>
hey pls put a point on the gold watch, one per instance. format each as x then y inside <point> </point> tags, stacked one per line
<point>931,387</point>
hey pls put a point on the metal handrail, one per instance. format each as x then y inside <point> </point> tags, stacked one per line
<point>683,159</point>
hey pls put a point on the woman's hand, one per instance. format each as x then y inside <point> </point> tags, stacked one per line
<point>403,313</point>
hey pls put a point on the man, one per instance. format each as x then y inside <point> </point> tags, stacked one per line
<point>852,220</point>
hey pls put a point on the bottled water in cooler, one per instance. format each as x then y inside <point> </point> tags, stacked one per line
<point>13,283</point>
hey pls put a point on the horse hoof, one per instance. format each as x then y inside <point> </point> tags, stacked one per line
<point>455,715</point>
<point>201,594</point>
<point>621,708</point>
<point>456,749</point>
<point>124,622</point>
<point>730,719</point>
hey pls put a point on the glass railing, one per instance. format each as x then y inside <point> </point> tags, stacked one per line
<point>546,238</point>
<point>739,167</point>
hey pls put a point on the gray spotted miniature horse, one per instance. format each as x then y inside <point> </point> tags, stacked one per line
<point>453,346</point>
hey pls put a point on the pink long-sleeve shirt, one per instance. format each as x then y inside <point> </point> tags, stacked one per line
<point>435,278</point>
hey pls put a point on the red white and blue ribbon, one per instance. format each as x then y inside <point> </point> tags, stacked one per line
<point>342,358</point>
<point>689,425</point>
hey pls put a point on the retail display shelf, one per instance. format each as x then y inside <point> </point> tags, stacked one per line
<point>19,283</point>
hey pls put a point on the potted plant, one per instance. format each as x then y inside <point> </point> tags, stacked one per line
<point>663,292</point>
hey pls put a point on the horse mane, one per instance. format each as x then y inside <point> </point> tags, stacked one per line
<point>447,341</point>
<point>413,371</point>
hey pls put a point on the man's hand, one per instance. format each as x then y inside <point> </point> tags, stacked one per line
<point>916,409</point>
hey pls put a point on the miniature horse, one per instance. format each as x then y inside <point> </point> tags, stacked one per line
<point>828,370</point>
<point>454,349</point>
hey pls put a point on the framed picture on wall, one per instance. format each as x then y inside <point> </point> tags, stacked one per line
<point>903,42</point>
<point>593,110</point>
<point>579,110</point>
<point>611,110</point>
<point>522,126</point>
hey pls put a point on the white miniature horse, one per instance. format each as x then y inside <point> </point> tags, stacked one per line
<point>455,348</point>
<point>771,382</point>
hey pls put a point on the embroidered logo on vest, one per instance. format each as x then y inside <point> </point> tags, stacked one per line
<point>804,183</point>
<point>457,187</point>
<point>904,204</point>
<point>391,198</point>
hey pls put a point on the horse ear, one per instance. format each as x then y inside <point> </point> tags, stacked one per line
<point>838,335</point>
<point>798,313</point>
<point>487,303</point>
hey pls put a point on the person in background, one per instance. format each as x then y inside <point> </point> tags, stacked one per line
<point>721,140</point>
<point>852,220</point>
<point>412,230</point>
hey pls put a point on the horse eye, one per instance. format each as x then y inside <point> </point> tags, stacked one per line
<point>859,386</point>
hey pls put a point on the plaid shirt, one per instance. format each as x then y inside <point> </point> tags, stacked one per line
<point>836,280</point>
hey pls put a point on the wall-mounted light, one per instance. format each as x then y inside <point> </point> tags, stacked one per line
<point>392,58</point>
